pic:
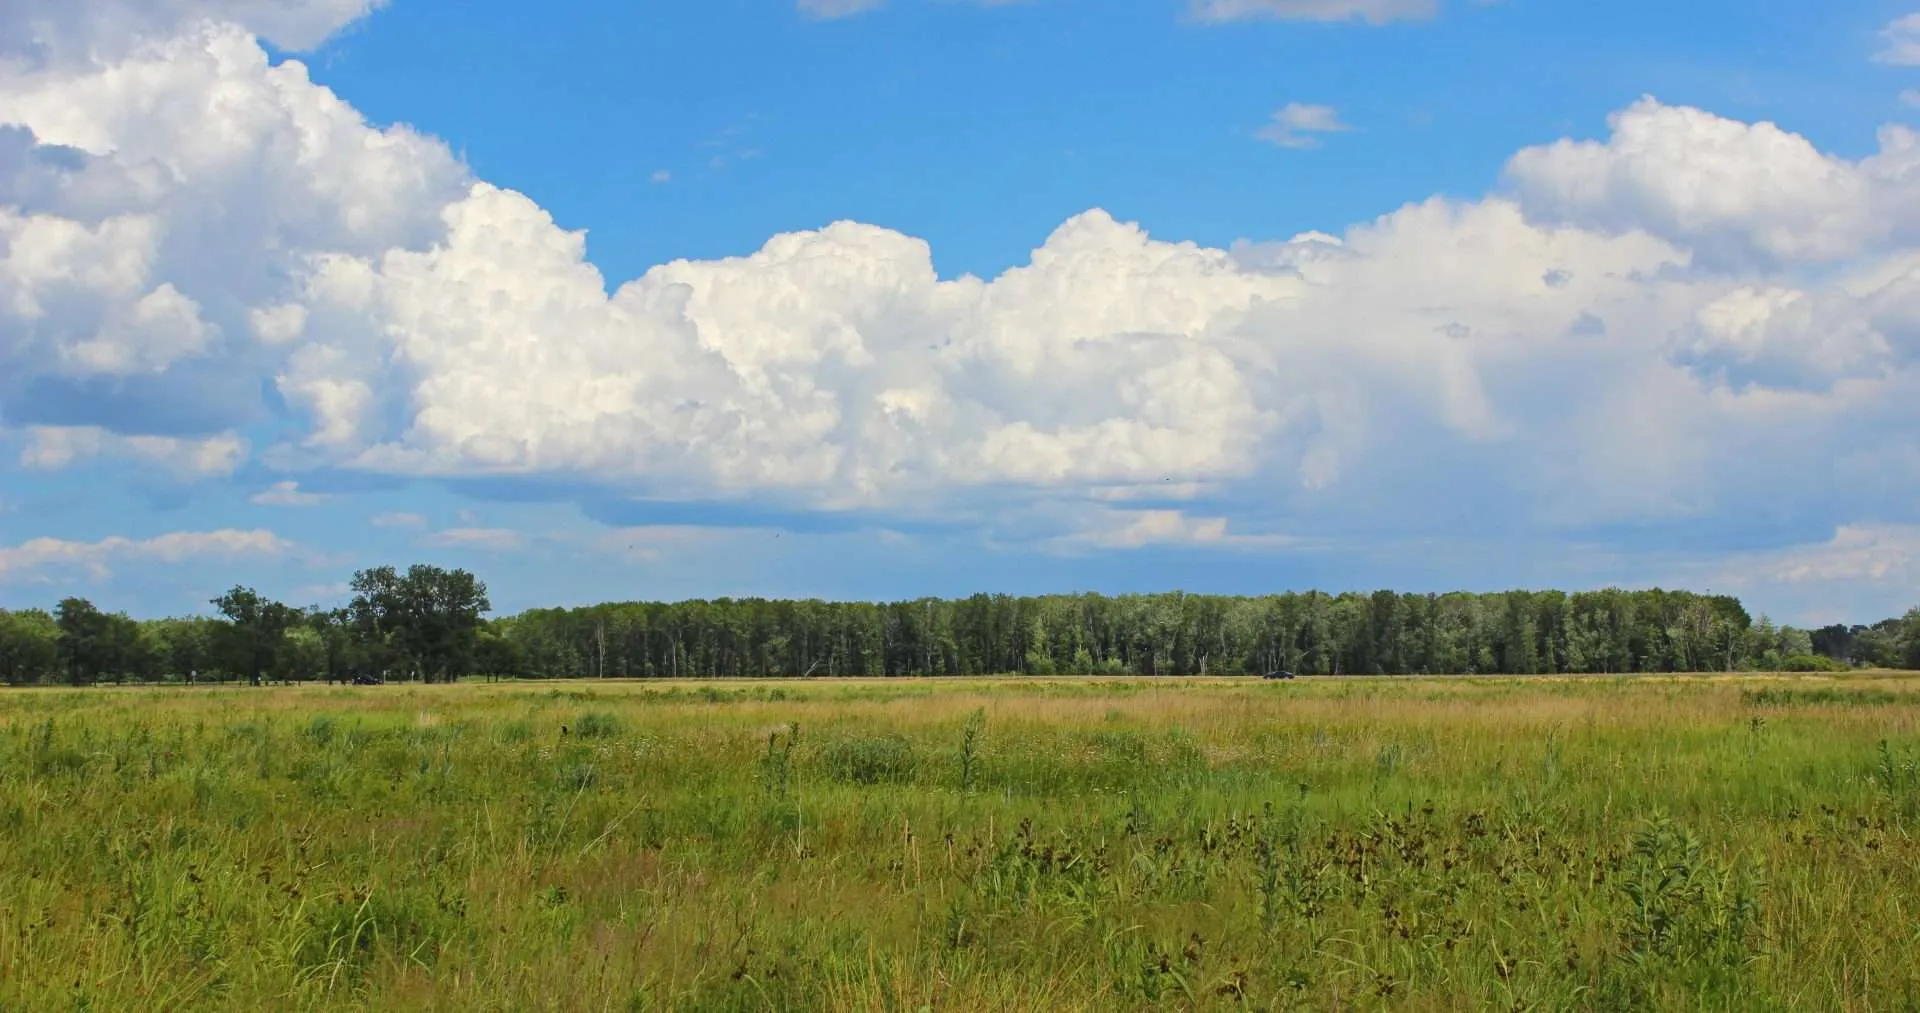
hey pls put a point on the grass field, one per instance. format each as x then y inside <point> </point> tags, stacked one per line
<point>1734,843</point>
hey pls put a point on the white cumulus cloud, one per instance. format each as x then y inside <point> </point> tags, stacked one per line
<point>1295,124</point>
<point>40,554</point>
<point>78,29</point>
<point>1740,195</point>
<point>1901,42</point>
<point>49,448</point>
<point>1872,552</point>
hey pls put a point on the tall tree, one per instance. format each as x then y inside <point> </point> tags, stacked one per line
<point>29,646</point>
<point>255,634</point>
<point>1909,639</point>
<point>185,646</point>
<point>427,620</point>
<point>85,640</point>
<point>339,654</point>
<point>1837,641</point>
<point>128,650</point>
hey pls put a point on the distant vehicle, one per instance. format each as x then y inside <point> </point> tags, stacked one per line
<point>368,680</point>
<point>1279,675</point>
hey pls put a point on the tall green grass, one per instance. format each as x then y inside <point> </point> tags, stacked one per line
<point>1581,844</point>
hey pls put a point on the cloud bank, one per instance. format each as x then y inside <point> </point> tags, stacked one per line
<point>1691,318</point>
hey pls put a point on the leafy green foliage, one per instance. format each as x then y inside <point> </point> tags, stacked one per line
<point>253,641</point>
<point>1548,632</point>
<point>29,646</point>
<point>426,621</point>
<point>1811,663</point>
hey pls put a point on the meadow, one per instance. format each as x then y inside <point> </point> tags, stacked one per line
<point>1718,842</point>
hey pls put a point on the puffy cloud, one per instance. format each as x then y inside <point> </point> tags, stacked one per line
<point>1376,12</point>
<point>1789,338</point>
<point>1873,552</point>
<point>1862,573</point>
<point>832,364</point>
<point>77,29</point>
<point>1295,124</point>
<point>40,554</point>
<point>151,235</point>
<point>1134,529</point>
<point>1901,42</point>
<point>81,297</point>
<point>286,494</point>
<point>50,448</point>
<point>1739,195</point>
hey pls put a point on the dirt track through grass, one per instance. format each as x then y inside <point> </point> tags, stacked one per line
<point>1738,843</point>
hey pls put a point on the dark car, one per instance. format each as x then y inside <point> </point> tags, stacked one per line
<point>1279,675</point>
<point>368,680</point>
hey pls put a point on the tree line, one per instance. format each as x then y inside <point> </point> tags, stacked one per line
<point>1311,633</point>
<point>431,624</point>
<point>426,623</point>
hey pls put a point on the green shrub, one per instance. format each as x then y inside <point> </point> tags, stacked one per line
<point>1812,663</point>
<point>320,730</point>
<point>875,760</point>
<point>597,725</point>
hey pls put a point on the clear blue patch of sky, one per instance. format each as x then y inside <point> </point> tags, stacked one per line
<point>981,128</point>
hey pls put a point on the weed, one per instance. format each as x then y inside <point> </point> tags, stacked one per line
<point>970,747</point>
<point>877,759</point>
<point>596,725</point>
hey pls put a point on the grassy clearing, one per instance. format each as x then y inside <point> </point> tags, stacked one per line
<point>1716,843</point>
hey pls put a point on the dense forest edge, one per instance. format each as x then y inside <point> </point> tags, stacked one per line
<point>432,625</point>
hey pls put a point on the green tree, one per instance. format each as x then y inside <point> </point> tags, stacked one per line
<point>426,621</point>
<point>186,646</point>
<point>252,640</point>
<point>302,655</point>
<point>1908,637</point>
<point>498,653</point>
<point>340,653</point>
<point>130,652</point>
<point>85,642</point>
<point>29,646</point>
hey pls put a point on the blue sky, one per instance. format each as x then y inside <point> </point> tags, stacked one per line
<point>919,115</point>
<point>1241,296</point>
